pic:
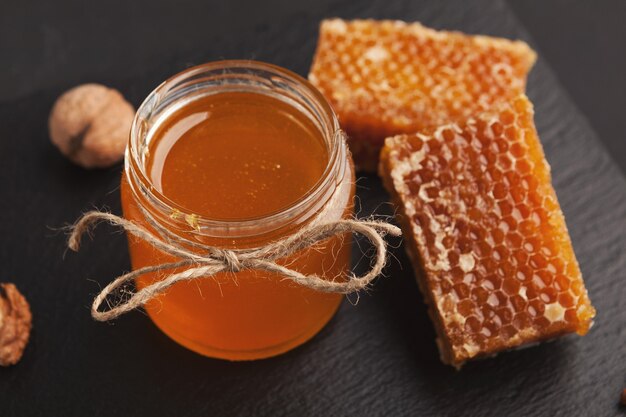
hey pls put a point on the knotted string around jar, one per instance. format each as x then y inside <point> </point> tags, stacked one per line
<point>201,261</point>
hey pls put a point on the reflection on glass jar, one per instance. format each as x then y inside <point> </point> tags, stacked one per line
<point>237,154</point>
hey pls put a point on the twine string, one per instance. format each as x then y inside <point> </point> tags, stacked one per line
<point>201,261</point>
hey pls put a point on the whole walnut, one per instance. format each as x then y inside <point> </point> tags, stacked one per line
<point>15,324</point>
<point>90,124</point>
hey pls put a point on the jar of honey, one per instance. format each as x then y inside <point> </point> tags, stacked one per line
<point>237,154</point>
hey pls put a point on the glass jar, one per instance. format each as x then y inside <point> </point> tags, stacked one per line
<point>248,314</point>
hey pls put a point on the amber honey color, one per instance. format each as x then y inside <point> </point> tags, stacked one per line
<point>484,227</point>
<point>390,77</point>
<point>232,157</point>
<point>237,156</point>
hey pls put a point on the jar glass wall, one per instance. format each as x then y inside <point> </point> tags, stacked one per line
<point>249,314</point>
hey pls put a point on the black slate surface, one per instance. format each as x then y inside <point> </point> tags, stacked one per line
<point>580,40</point>
<point>375,358</point>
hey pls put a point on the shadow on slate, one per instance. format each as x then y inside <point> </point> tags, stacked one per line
<point>377,357</point>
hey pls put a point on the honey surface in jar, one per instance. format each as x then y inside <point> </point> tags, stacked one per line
<point>486,234</point>
<point>237,156</point>
<point>389,77</point>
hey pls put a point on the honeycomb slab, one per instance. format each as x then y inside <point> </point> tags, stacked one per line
<point>486,234</point>
<point>389,77</point>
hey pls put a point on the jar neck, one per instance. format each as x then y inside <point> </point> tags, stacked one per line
<point>223,77</point>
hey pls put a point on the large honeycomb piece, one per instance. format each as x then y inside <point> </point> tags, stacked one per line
<point>486,234</point>
<point>384,78</point>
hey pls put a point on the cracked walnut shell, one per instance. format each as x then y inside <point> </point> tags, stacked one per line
<point>90,125</point>
<point>15,324</point>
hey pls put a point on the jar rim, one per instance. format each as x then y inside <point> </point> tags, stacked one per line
<point>185,82</point>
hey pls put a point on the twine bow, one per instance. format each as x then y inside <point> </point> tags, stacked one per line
<point>200,261</point>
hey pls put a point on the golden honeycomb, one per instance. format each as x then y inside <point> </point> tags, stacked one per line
<point>389,77</point>
<point>486,234</point>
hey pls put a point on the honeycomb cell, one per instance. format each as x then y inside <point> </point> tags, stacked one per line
<point>520,279</point>
<point>389,77</point>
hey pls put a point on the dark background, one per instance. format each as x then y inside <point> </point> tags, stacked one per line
<point>376,358</point>
<point>585,43</point>
<point>57,44</point>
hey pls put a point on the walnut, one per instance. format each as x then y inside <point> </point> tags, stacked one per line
<point>90,125</point>
<point>15,324</point>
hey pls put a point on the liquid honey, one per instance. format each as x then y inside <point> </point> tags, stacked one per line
<point>237,156</point>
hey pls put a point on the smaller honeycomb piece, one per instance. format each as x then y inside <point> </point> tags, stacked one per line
<point>486,234</point>
<point>386,77</point>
